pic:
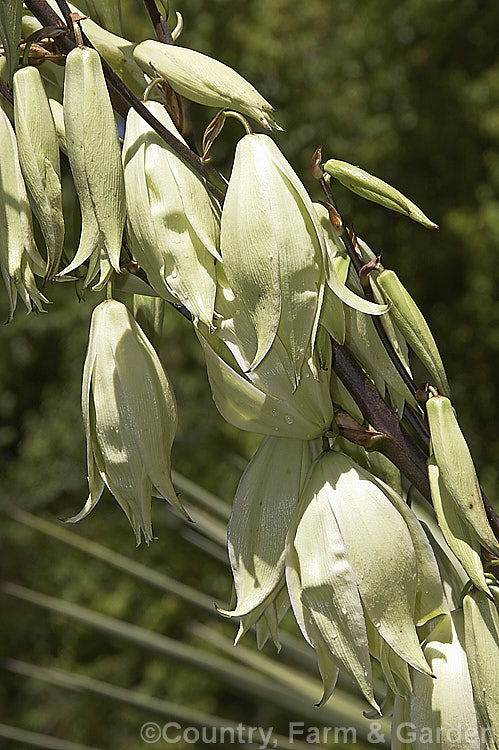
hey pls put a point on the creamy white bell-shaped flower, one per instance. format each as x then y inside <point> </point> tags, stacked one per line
<point>130,417</point>
<point>264,505</point>
<point>357,558</point>
<point>441,711</point>
<point>273,250</point>
<point>173,223</point>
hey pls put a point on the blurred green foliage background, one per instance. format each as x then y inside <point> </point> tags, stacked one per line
<point>410,92</point>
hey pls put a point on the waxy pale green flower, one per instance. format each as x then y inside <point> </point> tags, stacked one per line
<point>204,80</point>
<point>265,399</point>
<point>130,417</point>
<point>357,559</point>
<point>19,258</point>
<point>481,637</point>
<point>441,711</point>
<point>173,222</point>
<point>264,505</point>
<point>273,250</point>
<point>95,159</point>
<point>39,156</point>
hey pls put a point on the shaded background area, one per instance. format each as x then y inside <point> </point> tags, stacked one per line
<point>410,92</point>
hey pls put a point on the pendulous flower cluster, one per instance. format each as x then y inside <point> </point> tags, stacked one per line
<point>331,518</point>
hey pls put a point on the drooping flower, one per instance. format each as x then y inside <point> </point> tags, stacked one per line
<point>264,505</point>
<point>360,574</point>
<point>173,223</point>
<point>130,417</point>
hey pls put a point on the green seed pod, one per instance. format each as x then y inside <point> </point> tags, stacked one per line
<point>456,470</point>
<point>39,157</point>
<point>95,158</point>
<point>376,190</point>
<point>19,257</point>
<point>130,417</point>
<point>10,31</point>
<point>204,80</point>
<point>174,224</point>
<point>412,324</point>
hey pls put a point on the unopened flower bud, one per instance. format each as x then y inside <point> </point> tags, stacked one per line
<point>204,80</point>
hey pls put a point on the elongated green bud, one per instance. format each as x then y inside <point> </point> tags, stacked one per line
<point>39,156</point>
<point>130,417</point>
<point>456,469</point>
<point>456,532</point>
<point>412,324</point>
<point>204,80</point>
<point>376,190</point>
<point>95,159</point>
<point>10,31</point>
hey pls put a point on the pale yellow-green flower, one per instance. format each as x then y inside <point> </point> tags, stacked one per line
<point>357,560</point>
<point>273,249</point>
<point>173,223</point>
<point>39,157</point>
<point>95,159</point>
<point>19,258</point>
<point>441,712</point>
<point>130,417</point>
<point>264,505</point>
<point>481,638</point>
